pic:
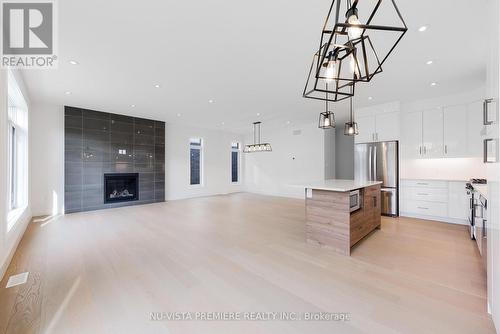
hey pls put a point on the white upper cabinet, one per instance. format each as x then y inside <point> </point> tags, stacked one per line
<point>475,129</point>
<point>432,133</point>
<point>411,128</point>
<point>455,131</point>
<point>379,127</point>
<point>366,127</point>
<point>451,132</point>
<point>387,126</point>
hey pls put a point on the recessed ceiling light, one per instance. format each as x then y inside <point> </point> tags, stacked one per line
<point>67,92</point>
<point>132,106</point>
<point>178,115</point>
<point>422,28</point>
<point>287,122</point>
<point>211,101</point>
<point>429,62</point>
<point>222,123</point>
<point>157,86</point>
<point>73,62</point>
<point>258,114</point>
<point>433,84</point>
<point>370,98</point>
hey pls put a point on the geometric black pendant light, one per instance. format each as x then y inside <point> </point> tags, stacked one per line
<point>332,79</point>
<point>374,27</point>
<point>356,40</point>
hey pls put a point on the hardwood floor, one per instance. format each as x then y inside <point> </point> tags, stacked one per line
<point>106,271</point>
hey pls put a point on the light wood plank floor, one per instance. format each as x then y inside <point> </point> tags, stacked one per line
<point>106,271</point>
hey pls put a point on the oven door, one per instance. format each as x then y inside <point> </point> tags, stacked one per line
<point>471,214</point>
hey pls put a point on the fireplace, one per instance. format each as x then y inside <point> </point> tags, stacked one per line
<point>121,187</point>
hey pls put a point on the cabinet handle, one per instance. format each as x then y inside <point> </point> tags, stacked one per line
<point>421,207</point>
<point>486,121</point>
<point>486,158</point>
<point>425,149</point>
<point>374,201</point>
<point>422,194</point>
<point>420,148</point>
<point>445,149</point>
<point>422,183</point>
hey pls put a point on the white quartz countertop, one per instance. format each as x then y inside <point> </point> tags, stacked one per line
<point>340,185</point>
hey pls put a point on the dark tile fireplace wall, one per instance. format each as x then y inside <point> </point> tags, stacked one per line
<point>98,143</point>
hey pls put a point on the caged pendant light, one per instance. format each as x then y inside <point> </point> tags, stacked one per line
<point>355,43</point>
<point>374,27</point>
<point>351,127</point>
<point>257,145</point>
<point>327,118</point>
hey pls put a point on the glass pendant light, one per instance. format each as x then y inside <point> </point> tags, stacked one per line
<point>351,127</point>
<point>354,31</point>
<point>327,118</point>
<point>257,145</point>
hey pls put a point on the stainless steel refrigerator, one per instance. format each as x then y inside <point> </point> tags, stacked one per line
<point>379,162</point>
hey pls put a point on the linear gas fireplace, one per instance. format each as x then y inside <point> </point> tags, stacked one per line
<point>121,187</point>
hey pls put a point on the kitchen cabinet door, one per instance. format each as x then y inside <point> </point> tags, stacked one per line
<point>458,203</point>
<point>387,126</point>
<point>432,133</point>
<point>366,126</point>
<point>455,131</point>
<point>476,130</point>
<point>411,138</point>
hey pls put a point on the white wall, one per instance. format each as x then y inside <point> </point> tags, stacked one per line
<point>9,240</point>
<point>216,162</point>
<point>493,170</point>
<point>47,156</point>
<point>295,159</point>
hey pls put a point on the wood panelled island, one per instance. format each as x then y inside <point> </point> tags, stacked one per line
<point>330,222</point>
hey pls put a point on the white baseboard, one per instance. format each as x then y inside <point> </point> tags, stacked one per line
<point>19,230</point>
<point>439,219</point>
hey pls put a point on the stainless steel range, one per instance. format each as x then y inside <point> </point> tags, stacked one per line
<point>477,207</point>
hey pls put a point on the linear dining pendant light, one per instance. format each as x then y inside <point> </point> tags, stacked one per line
<point>257,145</point>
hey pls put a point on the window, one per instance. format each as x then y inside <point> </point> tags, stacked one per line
<point>17,152</point>
<point>235,162</point>
<point>195,161</point>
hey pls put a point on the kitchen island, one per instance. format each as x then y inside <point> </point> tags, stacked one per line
<point>340,213</point>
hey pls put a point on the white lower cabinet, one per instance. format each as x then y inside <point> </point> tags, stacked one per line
<point>434,199</point>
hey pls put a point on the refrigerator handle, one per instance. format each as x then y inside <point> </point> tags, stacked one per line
<point>375,163</point>
<point>370,169</point>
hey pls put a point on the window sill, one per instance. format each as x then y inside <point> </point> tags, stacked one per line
<point>195,186</point>
<point>13,217</point>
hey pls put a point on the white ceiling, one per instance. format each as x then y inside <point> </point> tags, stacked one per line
<point>249,56</point>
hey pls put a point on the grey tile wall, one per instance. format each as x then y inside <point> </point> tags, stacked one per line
<point>98,143</point>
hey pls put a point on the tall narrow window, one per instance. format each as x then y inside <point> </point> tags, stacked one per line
<point>235,162</point>
<point>12,167</point>
<point>195,161</point>
<point>17,152</point>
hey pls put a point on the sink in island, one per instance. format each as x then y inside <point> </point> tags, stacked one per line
<point>334,220</point>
